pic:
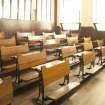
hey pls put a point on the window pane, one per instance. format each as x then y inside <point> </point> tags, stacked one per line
<point>69,11</point>
<point>14,9</point>
<point>39,10</point>
<point>33,11</point>
<point>27,10</point>
<point>44,10</point>
<point>6,9</point>
<point>21,9</point>
<point>48,10</point>
<point>0,8</point>
<point>98,11</point>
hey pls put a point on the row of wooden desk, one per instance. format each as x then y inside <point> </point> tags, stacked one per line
<point>78,55</point>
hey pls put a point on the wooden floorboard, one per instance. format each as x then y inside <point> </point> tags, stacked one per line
<point>92,93</point>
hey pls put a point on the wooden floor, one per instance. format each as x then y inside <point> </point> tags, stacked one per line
<point>92,92</point>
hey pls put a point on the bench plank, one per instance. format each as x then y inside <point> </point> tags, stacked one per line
<point>63,90</point>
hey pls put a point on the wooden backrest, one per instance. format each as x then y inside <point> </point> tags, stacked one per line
<point>22,38</point>
<point>60,36</point>
<point>68,51</point>
<point>6,88</point>
<point>23,34</point>
<point>87,39</point>
<point>52,43</point>
<point>31,59</point>
<point>8,42</point>
<point>47,36</point>
<point>55,73</point>
<point>103,51</point>
<point>2,36</point>
<point>88,57</point>
<point>72,41</point>
<point>100,43</point>
<point>88,46</point>
<point>7,52</point>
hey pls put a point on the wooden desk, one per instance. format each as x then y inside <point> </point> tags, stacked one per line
<point>35,41</point>
<point>49,64</point>
<point>6,92</point>
<point>58,50</point>
<point>80,56</point>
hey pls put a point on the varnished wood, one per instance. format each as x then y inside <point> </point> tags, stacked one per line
<point>100,43</point>
<point>2,35</point>
<point>7,52</point>
<point>51,43</point>
<point>8,42</point>
<point>103,51</point>
<point>6,92</point>
<point>88,46</point>
<point>72,41</point>
<point>63,90</point>
<point>47,36</point>
<point>87,39</point>
<point>88,57</point>
<point>31,59</point>
<point>55,72</point>
<point>68,51</point>
<point>27,61</point>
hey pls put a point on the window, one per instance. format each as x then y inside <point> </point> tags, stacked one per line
<point>6,9</point>
<point>98,11</point>
<point>27,9</point>
<point>0,8</point>
<point>70,11</point>
<point>37,10</point>
<point>14,9</point>
<point>21,9</point>
<point>33,11</point>
<point>44,10</point>
<point>49,7</point>
<point>100,26</point>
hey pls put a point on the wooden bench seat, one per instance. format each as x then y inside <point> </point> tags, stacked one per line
<point>63,90</point>
<point>51,74</point>
<point>26,62</point>
<point>29,76</point>
<point>9,68</point>
<point>9,56</point>
<point>49,64</point>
